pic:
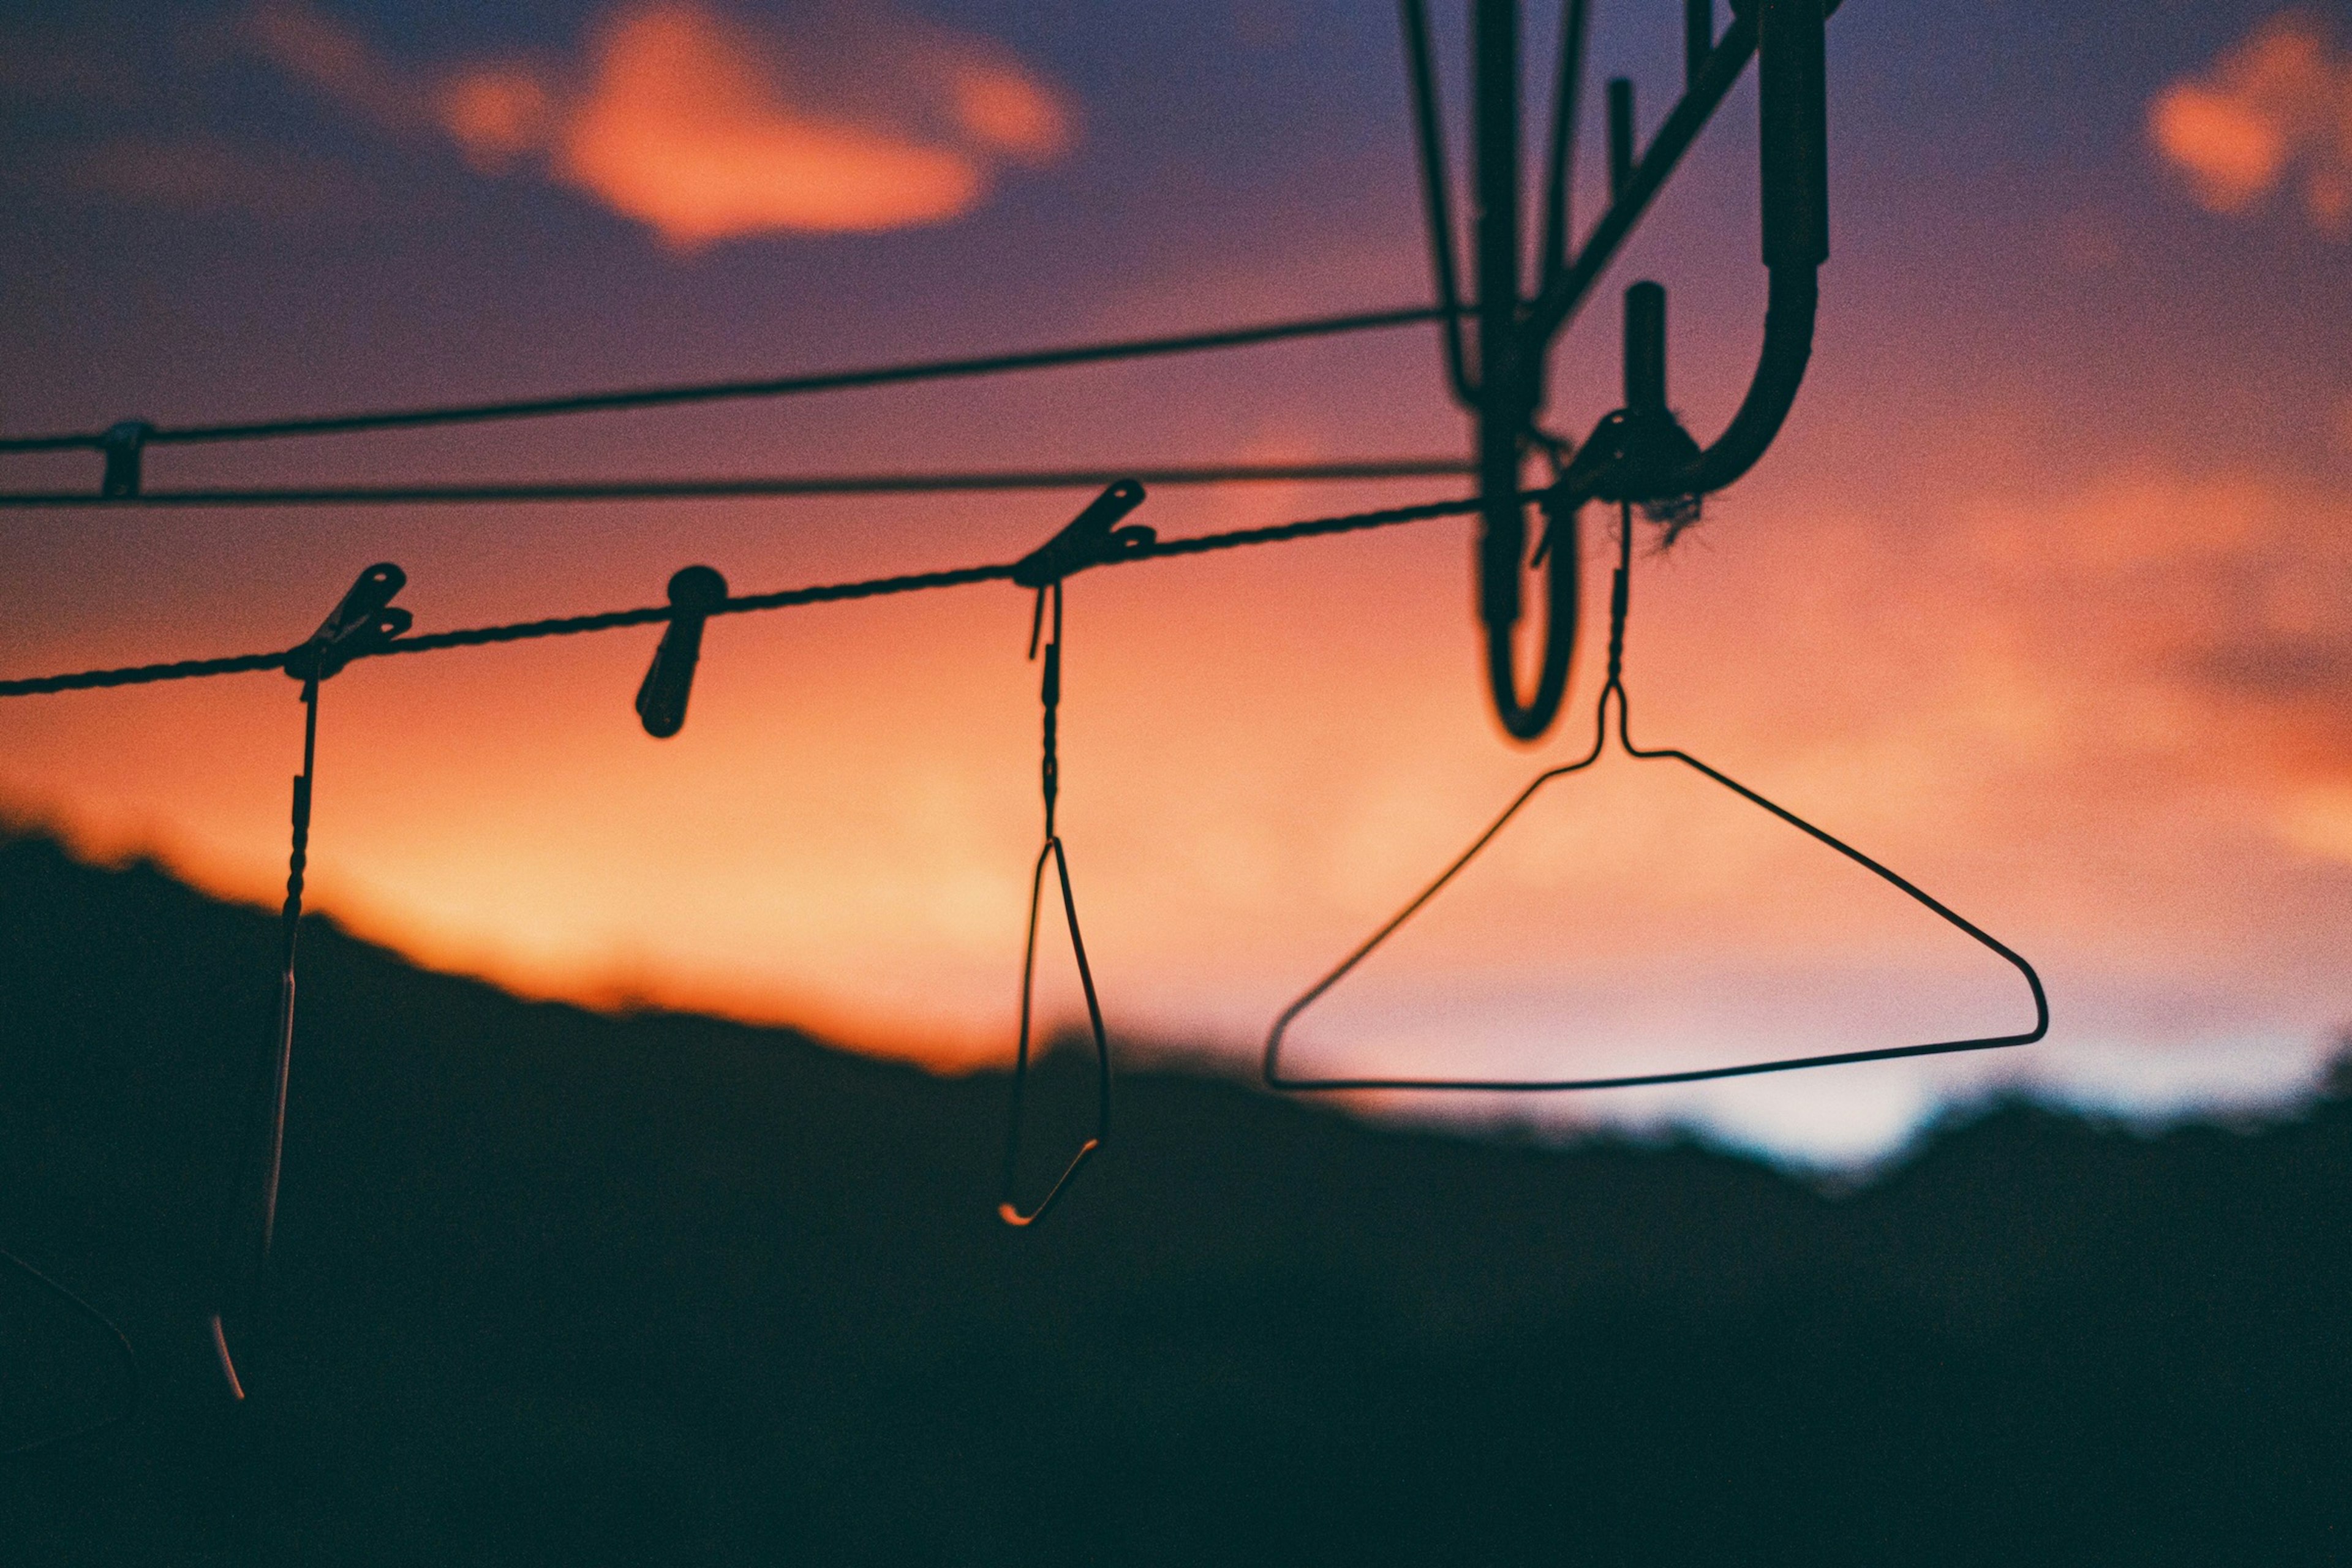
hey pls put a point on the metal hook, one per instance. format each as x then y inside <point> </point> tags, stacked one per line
<point>1651,461</point>
<point>694,593</point>
<point>363,621</point>
<point>1090,539</point>
<point>1515,334</point>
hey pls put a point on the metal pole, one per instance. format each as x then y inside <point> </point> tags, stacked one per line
<point>1502,382</point>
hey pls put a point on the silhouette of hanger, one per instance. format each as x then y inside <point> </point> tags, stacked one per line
<point>1641,455</point>
<point>363,621</point>
<point>1090,539</point>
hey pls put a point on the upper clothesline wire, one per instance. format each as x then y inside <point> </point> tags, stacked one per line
<point>718,391</point>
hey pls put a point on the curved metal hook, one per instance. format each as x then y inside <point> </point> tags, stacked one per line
<point>1559,559</point>
<point>1787,37</point>
<point>1006,1209</point>
<point>1618,464</point>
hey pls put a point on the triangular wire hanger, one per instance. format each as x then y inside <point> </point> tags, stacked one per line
<point>1645,424</point>
<point>363,622</point>
<point>1090,539</point>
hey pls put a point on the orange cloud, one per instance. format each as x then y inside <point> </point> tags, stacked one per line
<point>703,129</point>
<point>686,129</point>
<point>2278,105</point>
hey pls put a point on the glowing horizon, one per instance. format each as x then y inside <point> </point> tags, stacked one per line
<point>2045,610</point>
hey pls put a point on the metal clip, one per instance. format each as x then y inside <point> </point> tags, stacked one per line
<point>362,624</point>
<point>1092,539</point>
<point>694,592</point>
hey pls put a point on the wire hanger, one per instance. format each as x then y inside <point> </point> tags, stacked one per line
<point>133,1383</point>
<point>1091,540</point>
<point>1648,455</point>
<point>361,623</point>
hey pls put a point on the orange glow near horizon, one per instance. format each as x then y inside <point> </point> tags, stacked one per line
<point>2052,613</point>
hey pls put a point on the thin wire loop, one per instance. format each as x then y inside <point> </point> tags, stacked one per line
<point>1271,1066</point>
<point>1050,775</point>
<point>135,1382</point>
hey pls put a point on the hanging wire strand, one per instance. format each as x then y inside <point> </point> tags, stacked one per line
<point>249,1224</point>
<point>1008,1208</point>
<point>868,588</point>
<point>752,488</point>
<point>779,387</point>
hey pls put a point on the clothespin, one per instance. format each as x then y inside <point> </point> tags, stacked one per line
<point>694,592</point>
<point>123,444</point>
<point>364,622</point>
<point>1092,539</point>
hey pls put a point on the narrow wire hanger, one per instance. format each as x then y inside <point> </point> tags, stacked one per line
<point>1643,429</point>
<point>1091,540</point>
<point>132,1383</point>
<point>364,620</point>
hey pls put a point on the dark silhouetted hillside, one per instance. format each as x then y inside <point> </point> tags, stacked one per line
<point>554,1288</point>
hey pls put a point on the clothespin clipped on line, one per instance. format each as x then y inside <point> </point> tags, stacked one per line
<point>1093,538</point>
<point>364,622</point>
<point>124,444</point>
<point>695,592</point>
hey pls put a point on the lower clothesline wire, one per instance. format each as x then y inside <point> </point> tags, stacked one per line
<point>870,588</point>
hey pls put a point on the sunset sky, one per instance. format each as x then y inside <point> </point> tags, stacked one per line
<point>2044,597</point>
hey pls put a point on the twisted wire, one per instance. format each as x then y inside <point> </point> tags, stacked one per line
<point>867,588</point>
